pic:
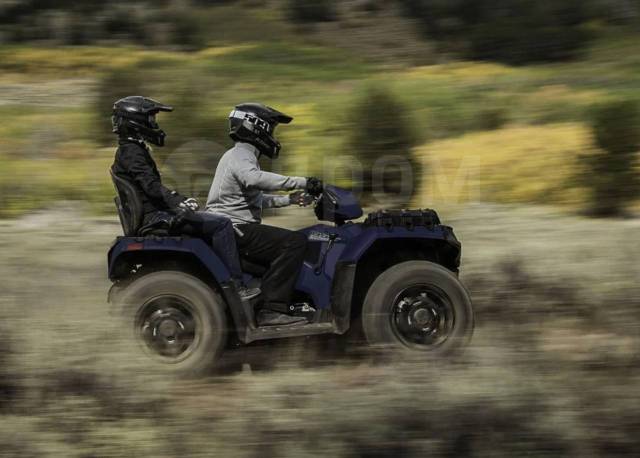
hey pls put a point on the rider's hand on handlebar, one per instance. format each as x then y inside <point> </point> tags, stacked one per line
<point>314,186</point>
<point>301,198</point>
<point>190,204</point>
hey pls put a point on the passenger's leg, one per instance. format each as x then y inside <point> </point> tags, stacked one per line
<point>219,231</point>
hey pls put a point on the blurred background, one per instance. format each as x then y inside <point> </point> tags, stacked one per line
<point>518,121</point>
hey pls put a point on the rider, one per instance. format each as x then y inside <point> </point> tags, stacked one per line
<point>237,193</point>
<point>134,120</point>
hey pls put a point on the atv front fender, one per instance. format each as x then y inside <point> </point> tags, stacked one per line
<point>359,245</point>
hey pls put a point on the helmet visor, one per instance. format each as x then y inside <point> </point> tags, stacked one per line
<point>153,123</point>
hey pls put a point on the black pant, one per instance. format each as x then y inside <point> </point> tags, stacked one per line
<point>219,231</point>
<point>282,252</point>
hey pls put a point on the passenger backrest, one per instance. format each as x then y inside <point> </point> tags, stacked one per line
<point>129,205</point>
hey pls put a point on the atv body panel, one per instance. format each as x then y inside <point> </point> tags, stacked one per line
<point>330,245</point>
<point>328,275</point>
<point>131,246</point>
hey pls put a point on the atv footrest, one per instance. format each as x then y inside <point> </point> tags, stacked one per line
<point>277,332</point>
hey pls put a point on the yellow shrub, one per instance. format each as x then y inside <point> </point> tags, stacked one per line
<point>513,165</point>
<point>462,71</point>
<point>78,60</point>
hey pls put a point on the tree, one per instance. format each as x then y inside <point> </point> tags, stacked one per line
<point>512,31</point>
<point>311,10</point>
<point>381,138</point>
<point>612,174</point>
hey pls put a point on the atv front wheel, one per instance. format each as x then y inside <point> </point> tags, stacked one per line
<point>418,305</point>
<point>177,320</point>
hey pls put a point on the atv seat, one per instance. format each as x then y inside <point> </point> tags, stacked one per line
<point>128,204</point>
<point>130,210</point>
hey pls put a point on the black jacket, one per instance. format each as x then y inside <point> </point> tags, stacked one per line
<point>134,163</point>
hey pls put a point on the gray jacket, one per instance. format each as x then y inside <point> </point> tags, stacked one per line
<point>238,185</point>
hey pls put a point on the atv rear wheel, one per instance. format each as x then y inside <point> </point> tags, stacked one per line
<point>177,320</point>
<point>418,305</point>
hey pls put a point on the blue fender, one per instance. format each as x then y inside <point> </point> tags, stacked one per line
<point>351,243</point>
<point>126,246</point>
<point>359,245</point>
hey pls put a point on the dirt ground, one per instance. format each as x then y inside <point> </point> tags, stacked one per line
<point>552,370</point>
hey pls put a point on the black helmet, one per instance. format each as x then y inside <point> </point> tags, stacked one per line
<point>135,117</point>
<point>255,123</point>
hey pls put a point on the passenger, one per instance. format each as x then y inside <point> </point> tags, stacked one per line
<point>134,121</point>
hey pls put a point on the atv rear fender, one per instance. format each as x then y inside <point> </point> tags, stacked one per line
<point>128,252</point>
<point>194,256</point>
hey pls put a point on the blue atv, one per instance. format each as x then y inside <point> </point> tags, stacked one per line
<point>395,275</point>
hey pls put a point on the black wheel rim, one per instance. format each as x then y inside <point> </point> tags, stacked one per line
<point>422,317</point>
<point>167,326</point>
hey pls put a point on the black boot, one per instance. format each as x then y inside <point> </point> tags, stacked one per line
<point>246,293</point>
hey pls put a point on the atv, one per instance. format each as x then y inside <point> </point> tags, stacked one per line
<point>395,275</point>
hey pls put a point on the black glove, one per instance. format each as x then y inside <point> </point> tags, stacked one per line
<point>301,198</point>
<point>190,204</point>
<point>314,186</point>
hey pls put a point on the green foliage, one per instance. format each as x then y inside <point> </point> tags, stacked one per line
<point>313,83</point>
<point>22,182</point>
<point>616,127</point>
<point>492,118</point>
<point>188,30</point>
<point>612,174</point>
<point>381,138</point>
<point>196,129</point>
<point>187,91</point>
<point>512,31</point>
<point>284,63</point>
<point>311,10</point>
<point>81,23</point>
<point>115,85</point>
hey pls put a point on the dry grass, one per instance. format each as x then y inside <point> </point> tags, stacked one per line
<point>552,370</point>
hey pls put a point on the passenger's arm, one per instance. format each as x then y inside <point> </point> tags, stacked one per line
<point>136,165</point>
<point>248,173</point>
<point>173,198</point>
